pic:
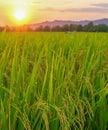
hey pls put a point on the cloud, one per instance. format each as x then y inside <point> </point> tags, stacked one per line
<point>103,5</point>
<point>51,9</point>
<point>38,2</point>
<point>87,10</point>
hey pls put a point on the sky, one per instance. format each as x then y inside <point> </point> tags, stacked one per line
<point>49,10</point>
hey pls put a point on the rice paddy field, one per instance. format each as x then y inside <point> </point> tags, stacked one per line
<point>53,81</point>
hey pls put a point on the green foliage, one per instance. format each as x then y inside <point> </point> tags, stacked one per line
<point>89,27</point>
<point>53,81</point>
<point>101,28</point>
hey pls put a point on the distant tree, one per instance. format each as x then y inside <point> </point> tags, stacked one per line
<point>73,27</point>
<point>79,28</point>
<point>66,27</point>
<point>40,28</point>
<point>56,29</point>
<point>47,29</point>
<point>29,29</point>
<point>89,27</point>
<point>7,28</point>
<point>101,28</point>
<point>1,29</point>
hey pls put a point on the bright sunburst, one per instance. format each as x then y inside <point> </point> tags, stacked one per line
<point>20,14</point>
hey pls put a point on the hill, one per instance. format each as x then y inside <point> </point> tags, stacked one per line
<point>63,22</point>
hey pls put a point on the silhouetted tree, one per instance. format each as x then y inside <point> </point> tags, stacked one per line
<point>90,27</point>
<point>40,28</point>
<point>7,28</point>
<point>1,29</point>
<point>65,27</point>
<point>56,29</point>
<point>47,29</point>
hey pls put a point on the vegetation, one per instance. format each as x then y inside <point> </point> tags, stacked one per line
<point>53,81</point>
<point>90,27</point>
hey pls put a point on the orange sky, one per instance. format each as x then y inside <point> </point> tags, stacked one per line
<point>42,10</point>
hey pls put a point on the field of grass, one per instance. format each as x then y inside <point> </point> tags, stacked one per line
<point>53,81</point>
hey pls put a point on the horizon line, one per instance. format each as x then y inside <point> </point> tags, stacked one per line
<point>89,20</point>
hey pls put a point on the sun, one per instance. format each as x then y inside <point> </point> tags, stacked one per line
<point>20,15</point>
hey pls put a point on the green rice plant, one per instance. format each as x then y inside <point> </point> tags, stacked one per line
<point>53,81</point>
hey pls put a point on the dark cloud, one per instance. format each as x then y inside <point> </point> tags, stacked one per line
<point>103,5</point>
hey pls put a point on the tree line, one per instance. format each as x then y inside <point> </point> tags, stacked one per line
<point>90,27</point>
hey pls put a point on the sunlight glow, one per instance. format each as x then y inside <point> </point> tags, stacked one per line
<point>20,15</point>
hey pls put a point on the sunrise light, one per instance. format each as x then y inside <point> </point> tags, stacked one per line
<point>20,15</point>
